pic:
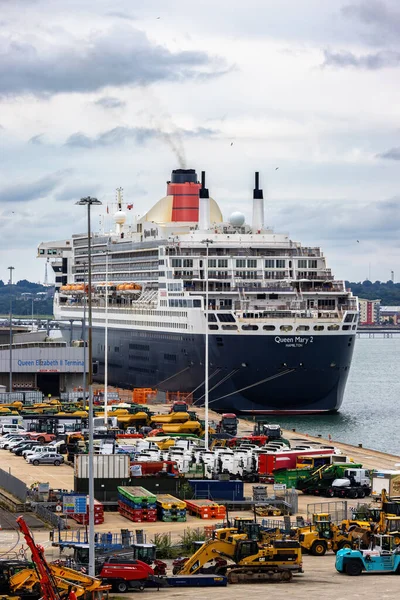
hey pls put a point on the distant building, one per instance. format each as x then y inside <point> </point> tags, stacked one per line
<point>390,315</point>
<point>369,311</point>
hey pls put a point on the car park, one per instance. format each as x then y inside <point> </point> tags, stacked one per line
<point>14,442</point>
<point>46,458</point>
<point>32,450</point>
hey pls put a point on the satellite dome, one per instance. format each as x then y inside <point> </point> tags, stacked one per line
<point>120,217</point>
<point>237,219</point>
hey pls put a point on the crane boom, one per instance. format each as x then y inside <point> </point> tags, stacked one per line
<point>46,580</point>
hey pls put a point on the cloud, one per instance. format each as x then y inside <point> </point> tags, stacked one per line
<point>75,191</point>
<point>121,15</point>
<point>392,154</point>
<point>347,221</point>
<point>110,102</point>
<point>118,57</point>
<point>37,140</point>
<point>139,135</point>
<point>33,190</point>
<point>371,62</point>
<point>382,20</point>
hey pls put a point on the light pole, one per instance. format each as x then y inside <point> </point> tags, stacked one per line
<point>84,336</point>
<point>106,347</point>
<point>206,242</point>
<point>90,202</point>
<point>11,269</point>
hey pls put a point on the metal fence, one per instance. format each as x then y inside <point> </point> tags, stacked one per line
<point>43,512</point>
<point>13,485</point>
<point>338,510</point>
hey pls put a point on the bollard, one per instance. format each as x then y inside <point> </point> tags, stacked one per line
<point>294,429</point>
<point>360,445</point>
<point>319,435</point>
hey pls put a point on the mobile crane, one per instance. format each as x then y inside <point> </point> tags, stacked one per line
<point>51,578</point>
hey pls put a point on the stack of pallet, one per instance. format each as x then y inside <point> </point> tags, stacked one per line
<point>137,504</point>
<point>206,509</point>
<point>170,508</point>
<point>98,515</point>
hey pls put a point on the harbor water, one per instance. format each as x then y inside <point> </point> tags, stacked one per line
<point>368,414</point>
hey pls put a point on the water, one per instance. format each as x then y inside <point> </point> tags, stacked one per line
<point>368,414</point>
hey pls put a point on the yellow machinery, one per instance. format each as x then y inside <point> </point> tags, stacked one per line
<point>27,580</point>
<point>174,417</point>
<point>324,535</point>
<point>248,561</point>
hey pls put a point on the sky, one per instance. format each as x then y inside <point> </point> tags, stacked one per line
<point>96,95</point>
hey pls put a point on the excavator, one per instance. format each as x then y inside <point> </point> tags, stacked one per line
<point>249,562</point>
<point>51,579</point>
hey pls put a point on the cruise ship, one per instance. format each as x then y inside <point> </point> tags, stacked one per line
<point>281,330</point>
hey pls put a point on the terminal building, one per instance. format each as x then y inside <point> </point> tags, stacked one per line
<point>38,363</point>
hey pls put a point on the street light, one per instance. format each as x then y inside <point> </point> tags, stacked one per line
<point>11,269</point>
<point>106,347</point>
<point>90,202</point>
<point>206,242</point>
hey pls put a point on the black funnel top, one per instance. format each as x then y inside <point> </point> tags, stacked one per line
<point>203,193</point>
<point>184,176</point>
<point>257,192</point>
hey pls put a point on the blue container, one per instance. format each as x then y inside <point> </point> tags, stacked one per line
<point>217,490</point>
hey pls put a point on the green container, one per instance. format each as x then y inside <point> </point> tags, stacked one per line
<point>137,494</point>
<point>290,477</point>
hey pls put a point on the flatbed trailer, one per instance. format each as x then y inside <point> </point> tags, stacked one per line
<point>206,509</point>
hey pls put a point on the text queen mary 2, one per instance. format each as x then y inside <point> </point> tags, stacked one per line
<point>281,328</point>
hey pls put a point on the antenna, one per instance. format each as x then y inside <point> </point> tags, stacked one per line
<point>392,275</point>
<point>46,279</point>
<point>119,197</point>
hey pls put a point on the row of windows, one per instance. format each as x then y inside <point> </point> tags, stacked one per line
<point>170,357</point>
<point>138,357</point>
<point>182,262</point>
<point>283,328</point>
<point>182,302</point>
<point>144,347</point>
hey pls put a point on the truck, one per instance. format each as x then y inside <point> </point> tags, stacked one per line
<point>382,556</point>
<point>228,424</point>
<point>385,480</point>
<point>341,480</point>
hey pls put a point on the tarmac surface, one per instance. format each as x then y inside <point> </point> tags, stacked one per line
<point>320,579</point>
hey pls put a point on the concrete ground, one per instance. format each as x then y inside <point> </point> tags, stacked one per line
<point>319,579</point>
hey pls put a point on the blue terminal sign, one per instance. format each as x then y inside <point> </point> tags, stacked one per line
<point>74,504</point>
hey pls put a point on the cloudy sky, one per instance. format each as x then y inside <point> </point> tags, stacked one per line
<point>97,94</point>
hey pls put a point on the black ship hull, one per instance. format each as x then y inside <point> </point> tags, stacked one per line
<point>249,374</point>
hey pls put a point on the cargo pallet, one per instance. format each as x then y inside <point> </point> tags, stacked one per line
<point>137,515</point>
<point>83,519</point>
<point>137,497</point>
<point>206,509</point>
<point>170,508</point>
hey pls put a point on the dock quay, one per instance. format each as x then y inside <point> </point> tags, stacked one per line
<point>319,575</point>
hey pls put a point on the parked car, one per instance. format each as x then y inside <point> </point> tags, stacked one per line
<point>39,450</point>
<point>5,443</point>
<point>14,442</point>
<point>47,458</point>
<point>32,450</point>
<point>17,450</point>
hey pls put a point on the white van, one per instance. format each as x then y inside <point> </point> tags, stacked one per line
<point>12,428</point>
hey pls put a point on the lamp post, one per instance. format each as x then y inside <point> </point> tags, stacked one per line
<point>206,443</point>
<point>11,269</point>
<point>90,202</point>
<point>106,347</point>
<point>84,337</point>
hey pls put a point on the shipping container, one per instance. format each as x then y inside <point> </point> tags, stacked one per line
<point>217,490</point>
<point>106,466</point>
<point>385,480</point>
